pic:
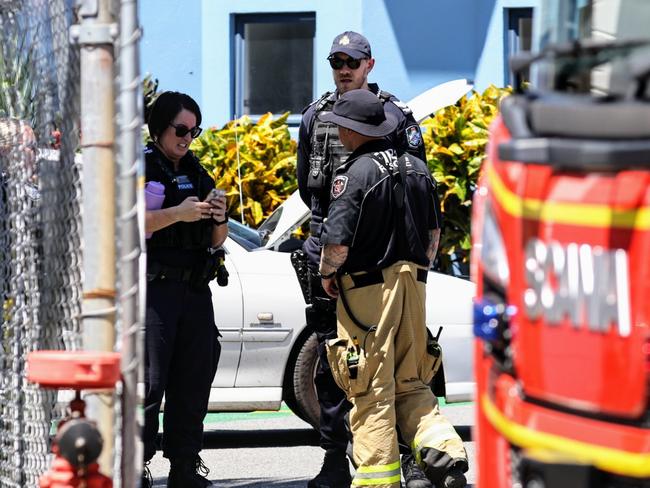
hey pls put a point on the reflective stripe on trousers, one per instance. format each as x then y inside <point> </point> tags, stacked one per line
<point>387,474</point>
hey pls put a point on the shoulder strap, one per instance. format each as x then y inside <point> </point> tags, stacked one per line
<point>401,165</point>
<point>384,96</point>
<point>319,105</point>
<point>400,197</point>
<point>399,191</point>
<point>153,153</point>
<point>322,101</point>
<point>406,110</point>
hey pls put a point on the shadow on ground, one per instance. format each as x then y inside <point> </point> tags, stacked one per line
<point>264,438</point>
<point>465,432</point>
<point>250,483</point>
<point>229,439</point>
<point>257,483</point>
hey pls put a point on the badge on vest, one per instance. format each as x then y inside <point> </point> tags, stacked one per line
<point>339,185</point>
<point>183,183</point>
<point>413,136</point>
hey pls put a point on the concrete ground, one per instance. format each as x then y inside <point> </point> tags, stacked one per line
<point>277,449</point>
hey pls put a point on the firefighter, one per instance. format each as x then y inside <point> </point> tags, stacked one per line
<point>379,240</point>
<point>319,153</point>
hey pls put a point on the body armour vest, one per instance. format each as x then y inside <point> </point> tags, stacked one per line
<point>189,181</point>
<point>326,155</point>
<point>327,151</point>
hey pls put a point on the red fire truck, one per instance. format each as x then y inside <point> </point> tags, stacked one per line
<point>561,258</point>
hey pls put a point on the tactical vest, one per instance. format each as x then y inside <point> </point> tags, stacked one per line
<point>182,235</point>
<point>327,152</point>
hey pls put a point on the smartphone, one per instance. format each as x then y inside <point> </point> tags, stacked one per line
<point>215,193</point>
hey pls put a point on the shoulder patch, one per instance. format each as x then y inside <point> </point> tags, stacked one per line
<point>148,150</point>
<point>339,185</point>
<point>413,136</point>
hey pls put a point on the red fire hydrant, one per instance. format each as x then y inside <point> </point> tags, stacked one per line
<point>78,443</point>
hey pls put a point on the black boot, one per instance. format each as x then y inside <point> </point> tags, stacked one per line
<point>335,472</point>
<point>442,470</point>
<point>188,473</point>
<point>413,475</point>
<point>454,478</point>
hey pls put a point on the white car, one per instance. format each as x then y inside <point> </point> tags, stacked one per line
<point>268,353</point>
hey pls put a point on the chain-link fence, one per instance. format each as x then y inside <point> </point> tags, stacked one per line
<point>40,221</point>
<point>40,215</point>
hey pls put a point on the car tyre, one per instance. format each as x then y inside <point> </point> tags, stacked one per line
<point>304,389</point>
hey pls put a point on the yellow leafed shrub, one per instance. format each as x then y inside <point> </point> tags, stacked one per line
<point>455,139</point>
<point>265,164</point>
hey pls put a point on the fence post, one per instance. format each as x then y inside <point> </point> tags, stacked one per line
<point>95,34</point>
<point>129,248</point>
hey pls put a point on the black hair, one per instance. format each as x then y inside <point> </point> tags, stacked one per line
<point>165,109</point>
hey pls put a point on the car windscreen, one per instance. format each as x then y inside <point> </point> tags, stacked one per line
<point>269,225</point>
<point>243,235</point>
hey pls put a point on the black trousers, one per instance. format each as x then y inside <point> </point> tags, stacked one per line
<point>334,406</point>
<point>181,356</point>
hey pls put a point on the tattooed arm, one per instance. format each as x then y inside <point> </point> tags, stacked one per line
<point>434,240</point>
<point>332,258</point>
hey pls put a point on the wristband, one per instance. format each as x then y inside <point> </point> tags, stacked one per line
<point>220,222</point>
<point>327,276</point>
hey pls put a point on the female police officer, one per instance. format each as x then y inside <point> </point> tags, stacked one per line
<point>182,348</point>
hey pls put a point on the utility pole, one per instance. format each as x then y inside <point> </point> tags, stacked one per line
<point>96,34</point>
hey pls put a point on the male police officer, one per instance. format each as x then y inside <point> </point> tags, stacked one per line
<point>379,240</point>
<point>319,154</point>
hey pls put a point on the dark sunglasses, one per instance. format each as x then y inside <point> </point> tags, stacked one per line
<point>182,130</point>
<point>337,63</point>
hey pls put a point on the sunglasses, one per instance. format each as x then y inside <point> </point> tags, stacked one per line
<point>182,130</point>
<point>337,63</point>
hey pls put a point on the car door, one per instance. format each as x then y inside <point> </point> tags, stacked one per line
<point>274,315</point>
<point>227,302</point>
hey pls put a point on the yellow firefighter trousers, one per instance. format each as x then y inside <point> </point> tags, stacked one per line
<point>392,376</point>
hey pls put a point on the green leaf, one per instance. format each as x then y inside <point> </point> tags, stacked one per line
<point>456,149</point>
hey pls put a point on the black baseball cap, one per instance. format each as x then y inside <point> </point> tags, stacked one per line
<point>361,111</point>
<point>351,43</point>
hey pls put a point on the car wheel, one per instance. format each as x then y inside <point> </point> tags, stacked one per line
<point>304,389</point>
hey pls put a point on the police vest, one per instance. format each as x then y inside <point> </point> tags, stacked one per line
<point>181,235</point>
<point>327,152</point>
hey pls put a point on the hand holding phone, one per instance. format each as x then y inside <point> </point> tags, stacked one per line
<point>217,199</point>
<point>214,194</point>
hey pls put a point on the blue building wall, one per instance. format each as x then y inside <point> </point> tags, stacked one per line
<point>417,44</point>
<point>171,45</point>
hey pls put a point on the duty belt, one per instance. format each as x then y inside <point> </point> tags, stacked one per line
<point>368,279</point>
<point>376,277</point>
<point>166,272</point>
